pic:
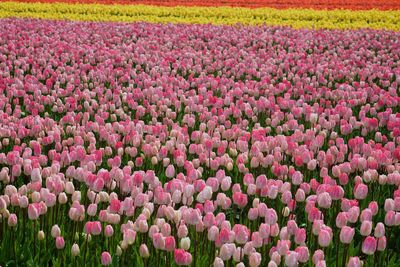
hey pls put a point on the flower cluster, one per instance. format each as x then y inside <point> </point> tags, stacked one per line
<point>282,4</point>
<point>297,18</point>
<point>163,145</point>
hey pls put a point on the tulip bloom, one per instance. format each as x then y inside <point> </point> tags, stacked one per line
<point>106,258</point>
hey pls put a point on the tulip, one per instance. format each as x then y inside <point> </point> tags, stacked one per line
<point>369,245</point>
<point>346,234</point>
<point>354,262</point>
<point>12,220</point>
<point>60,244</point>
<point>55,231</point>
<point>185,243</point>
<point>106,258</point>
<point>324,238</point>
<point>144,251</point>
<point>75,250</point>
<point>366,228</point>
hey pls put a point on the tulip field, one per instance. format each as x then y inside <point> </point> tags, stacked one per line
<point>191,133</point>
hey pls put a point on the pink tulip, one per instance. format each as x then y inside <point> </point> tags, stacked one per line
<point>169,243</point>
<point>354,262</point>
<point>12,220</point>
<point>33,212</point>
<point>369,245</point>
<point>303,254</point>
<point>360,191</point>
<point>324,238</point>
<point>366,228</point>
<point>106,258</point>
<point>381,243</point>
<point>346,234</point>
<point>108,231</point>
<point>318,256</point>
<point>60,244</point>
<point>144,251</point>
<point>240,199</point>
<point>379,230</point>
<point>255,259</point>
<point>182,257</point>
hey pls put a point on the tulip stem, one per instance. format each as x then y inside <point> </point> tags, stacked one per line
<point>86,249</point>
<point>13,242</point>
<point>344,260</point>
<point>337,250</point>
<point>195,247</point>
<point>387,250</point>
<point>34,239</point>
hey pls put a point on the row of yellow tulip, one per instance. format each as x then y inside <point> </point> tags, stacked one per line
<point>297,18</point>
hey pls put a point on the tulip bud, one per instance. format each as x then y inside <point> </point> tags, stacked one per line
<point>346,234</point>
<point>366,228</point>
<point>41,235</point>
<point>185,243</point>
<point>379,230</point>
<point>106,258</point>
<point>62,198</point>
<point>369,245</point>
<point>75,251</point>
<point>118,251</point>
<point>144,251</point>
<point>108,231</point>
<point>55,231</point>
<point>12,220</point>
<point>60,244</point>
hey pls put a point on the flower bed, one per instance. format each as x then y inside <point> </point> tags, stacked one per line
<point>297,18</point>
<point>162,145</point>
<point>281,4</point>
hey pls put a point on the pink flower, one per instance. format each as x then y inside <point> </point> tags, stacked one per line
<point>354,262</point>
<point>158,241</point>
<point>55,231</point>
<point>360,191</point>
<point>271,217</point>
<point>242,233</point>
<point>144,251</point>
<point>324,238</point>
<point>255,259</point>
<point>92,210</point>
<point>170,171</point>
<point>291,259</point>
<point>318,256</point>
<point>60,244</point>
<point>12,220</point>
<point>169,243</point>
<point>182,257</point>
<point>369,245</point>
<point>303,254</point>
<point>379,230</point>
<point>381,243</point>
<point>106,258</point>
<point>218,262</point>
<point>366,228</point>
<point>324,200</point>
<point>33,212</point>
<point>240,199</point>
<point>108,231</point>
<point>300,236</point>
<point>346,234</point>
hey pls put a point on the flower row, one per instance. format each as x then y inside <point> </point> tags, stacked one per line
<point>283,4</point>
<point>297,18</point>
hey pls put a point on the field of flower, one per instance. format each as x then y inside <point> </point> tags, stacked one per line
<point>200,136</point>
<point>281,4</point>
<point>296,18</point>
